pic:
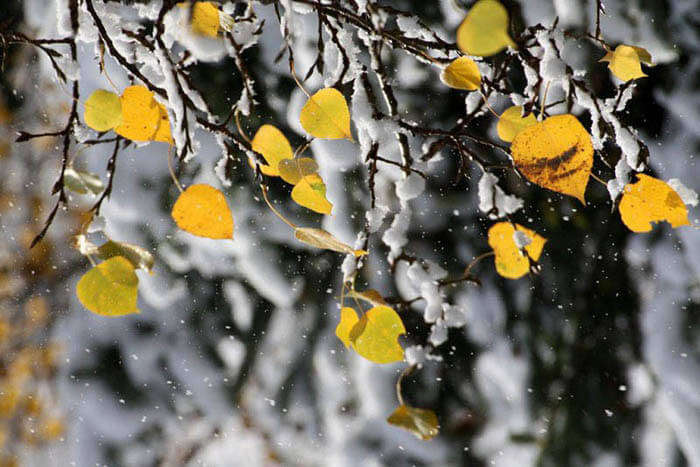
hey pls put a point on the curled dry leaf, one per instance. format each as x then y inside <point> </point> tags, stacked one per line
<point>110,288</point>
<point>310,192</point>
<point>293,170</point>
<point>510,261</point>
<point>462,73</point>
<point>422,423</point>
<point>370,296</point>
<point>202,210</point>
<point>326,115</point>
<point>321,239</point>
<point>103,110</point>
<point>484,31</point>
<point>82,182</point>
<point>625,62</point>
<point>512,122</point>
<point>137,256</point>
<point>375,335</point>
<point>556,154</point>
<point>274,147</point>
<point>651,200</point>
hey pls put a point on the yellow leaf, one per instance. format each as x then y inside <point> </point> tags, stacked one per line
<point>322,239</point>
<point>375,335</point>
<point>371,296</point>
<point>651,200</point>
<point>510,261</point>
<point>274,147</point>
<point>310,192</point>
<point>202,210</point>
<point>484,32</point>
<point>556,154</point>
<point>110,288</point>
<point>103,110</point>
<point>326,115</point>
<point>625,61</point>
<point>140,114</point>
<point>511,123</point>
<point>462,73</point>
<point>421,422</point>
<point>293,170</point>
<point>348,319</point>
<point>162,133</point>
<point>205,18</point>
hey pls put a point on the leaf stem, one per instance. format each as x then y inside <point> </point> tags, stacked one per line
<point>407,371</point>
<point>269,204</point>
<point>170,169</point>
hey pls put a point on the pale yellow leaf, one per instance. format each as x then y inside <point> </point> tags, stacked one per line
<point>321,239</point>
<point>375,335</point>
<point>110,288</point>
<point>310,192</point>
<point>511,123</point>
<point>274,147</point>
<point>625,62</point>
<point>326,115</point>
<point>103,110</point>
<point>462,73</point>
<point>484,31</point>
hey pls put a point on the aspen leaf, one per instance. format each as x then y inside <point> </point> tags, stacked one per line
<point>511,123</point>
<point>205,18</point>
<point>556,154</point>
<point>202,210</point>
<point>421,422</point>
<point>162,133</point>
<point>462,73</point>
<point>625,62</point>
<point>310,192</point>
<point>371,296</point>
<point>140,114</point>
<point>110,288</point>
<point>321,239</point>
<point>326,115</point>
<point>348,319</point>
<point>510,261</point>
<point>375,335</point>
<point>484,32</point>
<point>137,256</point>
<point>82,182</point>
<point>293,170</point>
<point>651,200</point>
<point>274,147</point>
<point>103,110</point>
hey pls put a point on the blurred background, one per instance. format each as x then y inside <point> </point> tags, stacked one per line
<point>233,359</point>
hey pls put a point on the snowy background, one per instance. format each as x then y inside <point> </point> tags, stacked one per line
<point>233,359</point>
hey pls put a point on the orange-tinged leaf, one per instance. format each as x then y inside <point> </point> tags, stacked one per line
<point>651,200</point>
<point>462,73</point>
<point>162,133</point>
<point>110,288</point>
<point>348,319</point>
<point>326,115</point>
<point>625,62</point>
<point>375,335</point>
<point>103,110</point>
<point>422,423</point>
<point>202,210</point>
<point>140,114</point>
<point>274,147</point>
<point>321,239</point>
<point>310,192</point>
<point>556,154</point>
<point>484,31</point>
<point>205,18</point>
<point>293,170</point>
<point>510,261</point>
<point>512,122</point>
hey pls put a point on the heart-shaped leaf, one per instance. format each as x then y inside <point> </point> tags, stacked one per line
<point>202,210</point>
<point>462,73</point>
<point>511,261</point>
<point>512,122</point>
<point>484,31</point>
<point>274,147</point>
<point>310,192</point>
<point>326,115</point>
<point>651,200</point>
<point>140,114</point>
<point>375,335</point>
<point>625,62</point>
<point>110,288</point>
<point>103,110</point>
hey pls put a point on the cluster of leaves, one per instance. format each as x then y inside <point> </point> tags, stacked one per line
<point>555,152</point>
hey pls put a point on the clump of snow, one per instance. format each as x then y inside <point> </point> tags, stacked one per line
<point>688,195</point>
<point>492,199</point>
<point>410,187</point>
<point>438,332</point>
<point>521,239</point>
